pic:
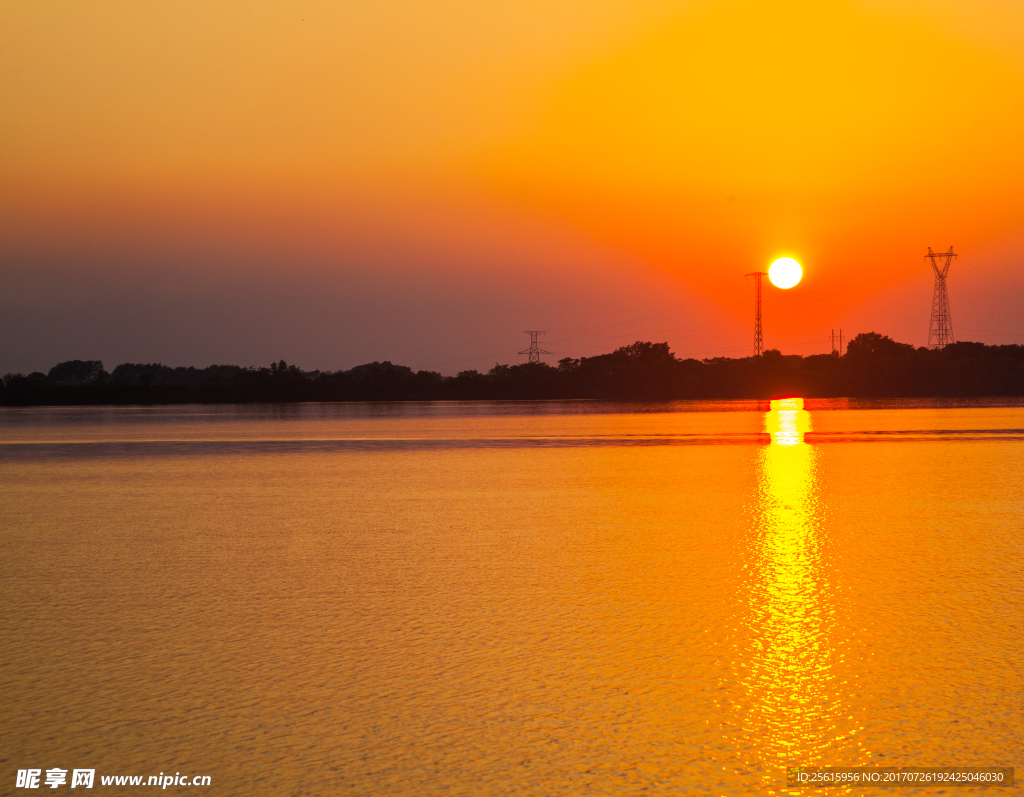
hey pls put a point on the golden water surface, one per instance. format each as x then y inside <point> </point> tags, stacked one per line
<point>489,599</point>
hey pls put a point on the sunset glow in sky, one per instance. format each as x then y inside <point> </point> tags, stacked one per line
<point>334,183</point>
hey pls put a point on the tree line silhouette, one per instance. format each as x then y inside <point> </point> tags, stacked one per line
<point>873,366</point>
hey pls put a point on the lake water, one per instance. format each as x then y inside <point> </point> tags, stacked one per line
<point>561,598</point>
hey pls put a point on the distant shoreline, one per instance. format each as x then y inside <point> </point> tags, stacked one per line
<point>874,366</point>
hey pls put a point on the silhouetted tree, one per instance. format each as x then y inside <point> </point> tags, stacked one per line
<point>77,372</point>
<point>874,365</point>
<point>871,344</point>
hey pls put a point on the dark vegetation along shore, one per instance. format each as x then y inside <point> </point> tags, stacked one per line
<point>873,366</point>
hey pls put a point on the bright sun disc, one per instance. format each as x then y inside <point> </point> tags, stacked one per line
<point>785,272</point>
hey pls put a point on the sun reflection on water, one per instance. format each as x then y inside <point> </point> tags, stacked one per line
<point>787,422</point>
<point>791,694</point>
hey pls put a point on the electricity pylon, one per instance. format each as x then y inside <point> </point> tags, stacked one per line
<point>534,351</point>
<point>838,351</point>
<point>940,329</point>
<point>758,338</point>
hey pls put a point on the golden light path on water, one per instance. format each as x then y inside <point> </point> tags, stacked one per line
<point>792,696</point>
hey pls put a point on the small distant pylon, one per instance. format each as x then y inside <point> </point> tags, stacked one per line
<point>534,351</point>
<point>838,351</point>
<point>940,329</point>
<point>758,337</point>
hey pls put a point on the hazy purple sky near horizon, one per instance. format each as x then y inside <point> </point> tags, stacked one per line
<point>443,320</point>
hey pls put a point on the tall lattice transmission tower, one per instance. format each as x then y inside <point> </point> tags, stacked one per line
<point>534,351</point>
<point>940,330</point>
<point>758,337</point>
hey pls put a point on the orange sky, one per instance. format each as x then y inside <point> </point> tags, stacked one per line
<point>630,160</point>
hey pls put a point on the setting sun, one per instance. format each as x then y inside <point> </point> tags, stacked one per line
<point>785,272</point>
